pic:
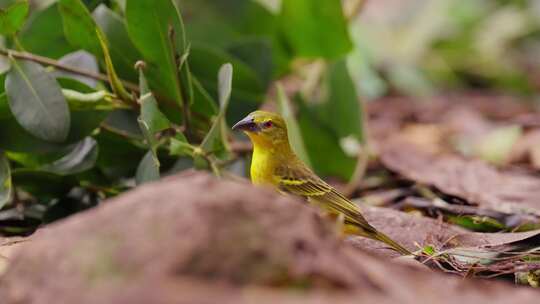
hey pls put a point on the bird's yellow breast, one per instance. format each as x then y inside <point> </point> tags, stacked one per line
<point>262,168</point>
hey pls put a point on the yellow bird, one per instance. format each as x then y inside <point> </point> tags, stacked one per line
<point>275,164</point>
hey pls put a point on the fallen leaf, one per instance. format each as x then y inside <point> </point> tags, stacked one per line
<point>472,180</point>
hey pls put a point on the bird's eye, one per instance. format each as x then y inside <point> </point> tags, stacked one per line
<point>268,124</point>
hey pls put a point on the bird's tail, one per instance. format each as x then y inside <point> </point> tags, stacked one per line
<point>372,233</point>
<point>387,240</point>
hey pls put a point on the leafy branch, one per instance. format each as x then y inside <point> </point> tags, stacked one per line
<point>54,63</point>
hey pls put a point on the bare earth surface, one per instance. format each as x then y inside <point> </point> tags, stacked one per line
<point>195,239</point>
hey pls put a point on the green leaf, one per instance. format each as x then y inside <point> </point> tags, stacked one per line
<point>315,29</point>
<point>44,35</point>
<point>293,130</point>
<point>220,22</point>
<point>151,121</point>
<point>186,81</point>
<point>81,60</point>
<point>86,115</point>
<point>2,83</point>
<point>4,107</point>
<point>334,127</point>
<point>429,250</point>
<point>148,169</point>
<point>257,53</point>
<point>117,157</point>
<point>248,91</point>
<point>5,181</point>
<point>88,101</point>
<point>82,31</point>
<point>321,141</point>
<point>150,113</point>
<point>84,122</point>
<point>216,139</point>
<point>4,61</point>
<point>227,25</point>
<point>342,108</point>
<point>123,52</point>
<point>32,181</point>
<point>150,138</point>
<point>81,158</point>
<point>225,77</point>
<point>74,85</point>
<point>179,146</point>
<point>477,223</point>
<point>124,122</point>
<point>37,102</point>
<point>203,103</point>
<point>149,25</point>
<point>115,82</point>
<point>121,4</point>
<point>14,138</point>
<point>79,27</point>
<point>12,18</point>
<point>34,160</point>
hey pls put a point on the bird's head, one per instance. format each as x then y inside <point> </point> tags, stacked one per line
<point>265,129</point>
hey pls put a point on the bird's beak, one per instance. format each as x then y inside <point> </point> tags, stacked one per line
<point>246,124</point>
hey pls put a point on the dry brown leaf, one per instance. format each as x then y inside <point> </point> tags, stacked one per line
<point>501,253</point>
<point>485,127</point>
<point>430,137</point>
<point>472,180</point>
<point>415,232</point>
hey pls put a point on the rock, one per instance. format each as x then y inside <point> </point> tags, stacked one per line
<point>195,239</point>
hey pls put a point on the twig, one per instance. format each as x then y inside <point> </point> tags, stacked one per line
<point>363,154</point>
<point>98,76</point>
<point>58,65</point>
<point>359,172</point>
<point>18,43</point>
<point>183,95</point>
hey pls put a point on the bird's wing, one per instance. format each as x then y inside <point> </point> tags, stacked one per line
<point>300,180</point>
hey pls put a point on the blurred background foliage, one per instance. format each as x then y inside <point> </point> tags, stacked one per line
<point>80,123</point>
<point>420,47</point>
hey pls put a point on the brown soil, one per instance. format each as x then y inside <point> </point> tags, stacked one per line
<point>195,239</point>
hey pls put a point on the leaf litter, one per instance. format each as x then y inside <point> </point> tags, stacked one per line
<point>466,162</point>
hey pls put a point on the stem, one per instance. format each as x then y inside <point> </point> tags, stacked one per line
<point>18,43</point>
<point>363,155</point>
<point>182,90</point>
<point>102,77</point>
<point>359,172</point>
<point>58,65</point>
<point>213,165</point>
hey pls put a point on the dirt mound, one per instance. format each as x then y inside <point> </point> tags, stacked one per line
<point>195,239</point>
